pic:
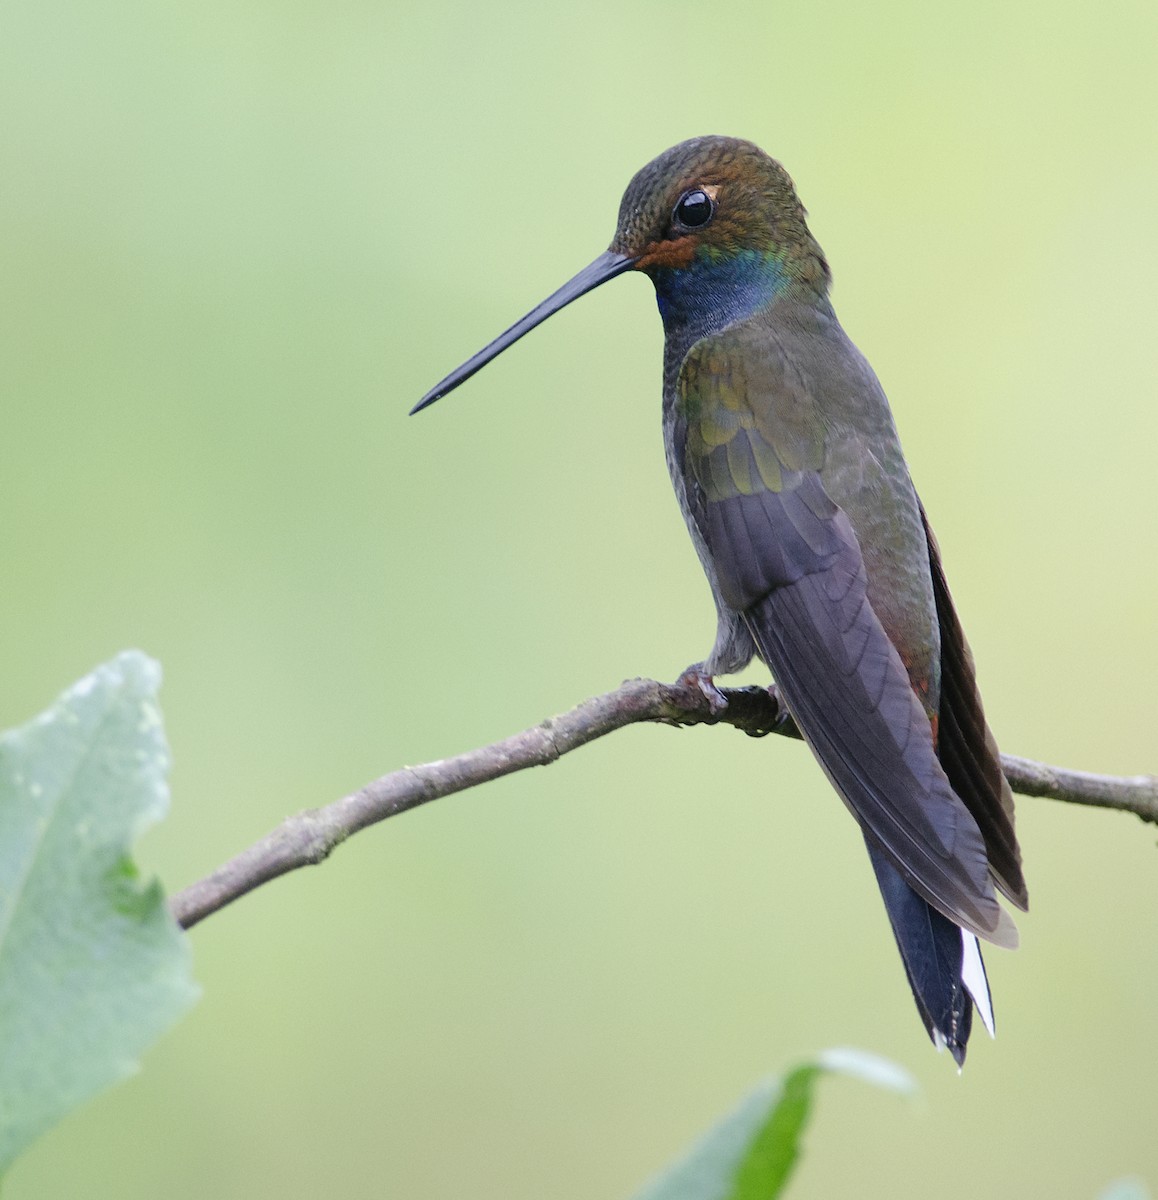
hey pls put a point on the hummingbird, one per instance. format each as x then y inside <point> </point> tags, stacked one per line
<point>790,475</point>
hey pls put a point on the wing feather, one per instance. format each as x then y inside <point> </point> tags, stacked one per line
<point>849,691</point>
<point>967,748</point>
<point>786,557</point>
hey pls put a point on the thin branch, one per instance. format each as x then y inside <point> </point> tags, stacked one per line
<point>310,836</point>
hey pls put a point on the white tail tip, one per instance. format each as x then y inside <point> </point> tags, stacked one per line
<point>975,981</point>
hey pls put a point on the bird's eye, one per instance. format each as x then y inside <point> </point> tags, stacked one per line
<point>694,209</point>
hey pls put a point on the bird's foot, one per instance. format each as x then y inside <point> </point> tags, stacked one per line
<point>695,676</point>
<point>785,718</point>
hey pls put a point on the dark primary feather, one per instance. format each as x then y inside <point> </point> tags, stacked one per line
<point>967,748</point>
<point>851,696</point>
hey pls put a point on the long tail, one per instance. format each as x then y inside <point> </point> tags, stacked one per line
<point>942,961</point>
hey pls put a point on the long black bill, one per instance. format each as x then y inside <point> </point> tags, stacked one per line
<point>605,267</point>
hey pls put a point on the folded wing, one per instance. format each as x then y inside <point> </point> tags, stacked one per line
<point>787,557</point>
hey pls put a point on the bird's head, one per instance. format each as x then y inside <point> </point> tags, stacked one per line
<point>711,199</point>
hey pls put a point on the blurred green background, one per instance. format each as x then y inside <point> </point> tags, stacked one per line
<point>239,240</point>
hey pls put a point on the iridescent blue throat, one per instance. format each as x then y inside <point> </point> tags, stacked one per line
<point>715,291</point>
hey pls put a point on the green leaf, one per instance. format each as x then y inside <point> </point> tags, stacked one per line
<point>92,967</point>
<point>751,1153</point>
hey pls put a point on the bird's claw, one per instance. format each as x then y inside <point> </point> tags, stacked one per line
<point>785,717</point>
<point>717,701</point>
